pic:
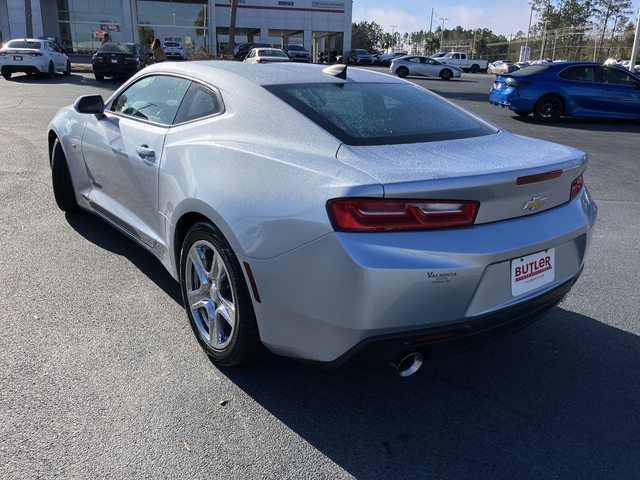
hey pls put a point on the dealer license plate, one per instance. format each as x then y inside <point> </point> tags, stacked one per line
<point>113,60</point>
<point>532,271</point>
<point>17,57</point>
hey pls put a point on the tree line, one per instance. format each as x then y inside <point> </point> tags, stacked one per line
<point>565,29</point>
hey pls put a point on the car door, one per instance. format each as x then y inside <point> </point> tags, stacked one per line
<point>415,65</point>
<point>432,67</point>
<point>582,90</point>
<point>620,92</point>
<point>56,57</point>
<point>123,150</point>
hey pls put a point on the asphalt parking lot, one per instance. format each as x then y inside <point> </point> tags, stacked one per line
<point>102,376</point>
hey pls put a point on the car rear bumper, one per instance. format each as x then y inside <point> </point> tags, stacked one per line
<point>510,100</point>
<point>381,351</point>
<point>322,300</point>
<point>32,68</point>
<point>116,69</point>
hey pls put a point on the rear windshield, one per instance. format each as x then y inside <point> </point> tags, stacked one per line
<point>379,113</point>
<point>23,44</point>
<point>117,48</point>
<point>532,70</point>
<point>271,53</point>
<point>297,48</point>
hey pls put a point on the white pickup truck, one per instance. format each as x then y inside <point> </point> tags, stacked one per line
<point>460,60</point>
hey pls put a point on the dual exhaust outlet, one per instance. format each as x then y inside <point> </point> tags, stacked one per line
<point>408,363</point>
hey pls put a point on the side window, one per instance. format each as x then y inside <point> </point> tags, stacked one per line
<point>199,102</point>
<point>413,59</point>
<point>154,98</point>
<point>616,76</point>
<point>47,47</point>
<point>579,74</point>
<point>456,56</point>
<point>463,56</point>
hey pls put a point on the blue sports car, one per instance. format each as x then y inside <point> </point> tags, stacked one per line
<point>578,89</point>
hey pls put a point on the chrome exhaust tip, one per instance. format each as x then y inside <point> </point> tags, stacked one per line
<point>408,364</point>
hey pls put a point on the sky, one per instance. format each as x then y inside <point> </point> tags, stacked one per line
<point>412,15</point>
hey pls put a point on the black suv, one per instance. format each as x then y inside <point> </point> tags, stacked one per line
<point>297,53</point>
<point>246,48</point>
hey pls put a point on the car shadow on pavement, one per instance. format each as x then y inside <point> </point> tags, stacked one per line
<point>560,399</point>
<point>103,235</point>
<point>74,78</point>
<point>590,124</point>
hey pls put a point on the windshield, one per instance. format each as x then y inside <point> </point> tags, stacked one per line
<point>23,44</point>
<point>379,113</point>
<point>117,48</point>
<point>359,51</point>
<point>171,44</point>
<point>296,48</point>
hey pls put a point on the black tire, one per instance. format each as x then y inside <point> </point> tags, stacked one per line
<point>6,75</point>
<point>68,70</point>
<point>402,72</point>
<point>548,109</point>
<point>446,74</point>
<point>99,77</point>
<point>61,180</point>
<point>243,344</point>
<point>475,68</point>
<point>522,113</point>
<point>51,73</point>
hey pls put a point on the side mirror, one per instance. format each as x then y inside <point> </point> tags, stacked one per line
<point>93,104</point>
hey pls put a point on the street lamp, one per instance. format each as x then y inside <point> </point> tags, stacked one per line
<point>526,45</point>
<point>442,32</point>
<point>173,14</point>
<point>544,39</point>
<point>393,38</point>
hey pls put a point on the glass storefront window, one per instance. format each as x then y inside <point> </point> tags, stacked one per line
<point>80,20</point>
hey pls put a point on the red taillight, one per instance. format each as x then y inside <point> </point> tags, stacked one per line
<point>2,54</point>
<point>576,186</point>
<point>35,54</point>
<point>373,214</point>
<point>259,60</point>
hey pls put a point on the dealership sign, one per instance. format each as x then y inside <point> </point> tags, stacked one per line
<point>327,4</point>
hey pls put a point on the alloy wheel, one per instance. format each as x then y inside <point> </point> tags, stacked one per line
<point>210,294</point>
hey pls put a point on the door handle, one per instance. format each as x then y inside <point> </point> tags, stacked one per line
<point>144,151</point>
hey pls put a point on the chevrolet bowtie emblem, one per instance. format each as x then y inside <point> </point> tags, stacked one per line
<point>534,203</point>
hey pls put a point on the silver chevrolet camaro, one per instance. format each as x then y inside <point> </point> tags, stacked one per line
<point>333,216</point>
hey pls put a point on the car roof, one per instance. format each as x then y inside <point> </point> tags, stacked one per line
<point>220,73</point>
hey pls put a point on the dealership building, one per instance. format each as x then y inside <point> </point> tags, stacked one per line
<point>319,25</point>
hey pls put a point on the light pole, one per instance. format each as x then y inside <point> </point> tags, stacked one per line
<point>442,32</point>
<point>544,40</point>
<point>526,45</point>
<point>393,38</point>
<point>173,13</point>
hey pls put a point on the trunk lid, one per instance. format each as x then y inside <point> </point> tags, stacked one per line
<point>484,169</point>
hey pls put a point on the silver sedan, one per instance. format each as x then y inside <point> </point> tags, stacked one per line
<point>423,66</point>
<point>388,225</point>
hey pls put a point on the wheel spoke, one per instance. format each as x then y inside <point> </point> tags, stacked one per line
<point>220,270</point>
<point>226,310</point>
<point>197,296</point>
<point>197,260</point>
